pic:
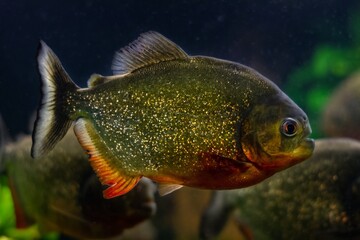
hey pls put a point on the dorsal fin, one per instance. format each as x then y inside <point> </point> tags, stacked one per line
<point>96,79</point>
<point>150,48</point>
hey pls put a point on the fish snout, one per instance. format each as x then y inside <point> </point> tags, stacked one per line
<point>308,143</point>
<point>306,126</point>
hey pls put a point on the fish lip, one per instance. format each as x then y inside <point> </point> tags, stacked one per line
<point>308,143</point>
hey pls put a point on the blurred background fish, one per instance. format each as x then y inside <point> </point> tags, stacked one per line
<point>61,193</point>
<point>2,143</point>
<point>317,199</point>
<point>341,115</point>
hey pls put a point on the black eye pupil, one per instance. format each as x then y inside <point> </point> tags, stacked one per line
<point>289,127</point>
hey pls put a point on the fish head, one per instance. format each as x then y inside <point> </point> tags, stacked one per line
<point>275,134</point>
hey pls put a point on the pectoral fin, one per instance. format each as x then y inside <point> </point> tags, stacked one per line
<point>100,158</point>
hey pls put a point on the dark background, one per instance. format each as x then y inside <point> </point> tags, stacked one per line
<point>275,37</point>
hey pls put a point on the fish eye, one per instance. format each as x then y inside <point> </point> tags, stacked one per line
<point>289,127</point>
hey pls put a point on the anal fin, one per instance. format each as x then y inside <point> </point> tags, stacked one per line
<point>165,189</point>
<point>100,159</point>
<point>122,186</point>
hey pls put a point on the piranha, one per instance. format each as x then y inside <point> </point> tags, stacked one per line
<point>177,119</point>
<point>60,192</point>
<point>316,199</point>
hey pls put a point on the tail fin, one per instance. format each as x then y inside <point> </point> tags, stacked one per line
<point>53,118</point>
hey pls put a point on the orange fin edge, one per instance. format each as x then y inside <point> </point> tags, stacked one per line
<point>118,183</point>
<point>123,186</point>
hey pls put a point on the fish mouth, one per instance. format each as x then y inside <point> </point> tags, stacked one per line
<point>310,141</point>
<point>305,149</point>
<point>306,145</point>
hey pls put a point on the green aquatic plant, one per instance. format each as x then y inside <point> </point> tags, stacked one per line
<point>7,217</point>
<point>312,84</point>
<point>8,230</point>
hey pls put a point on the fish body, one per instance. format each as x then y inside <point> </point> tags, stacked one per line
<point>60,192</point>
<point>317,199</point>
<point>179,120</point>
